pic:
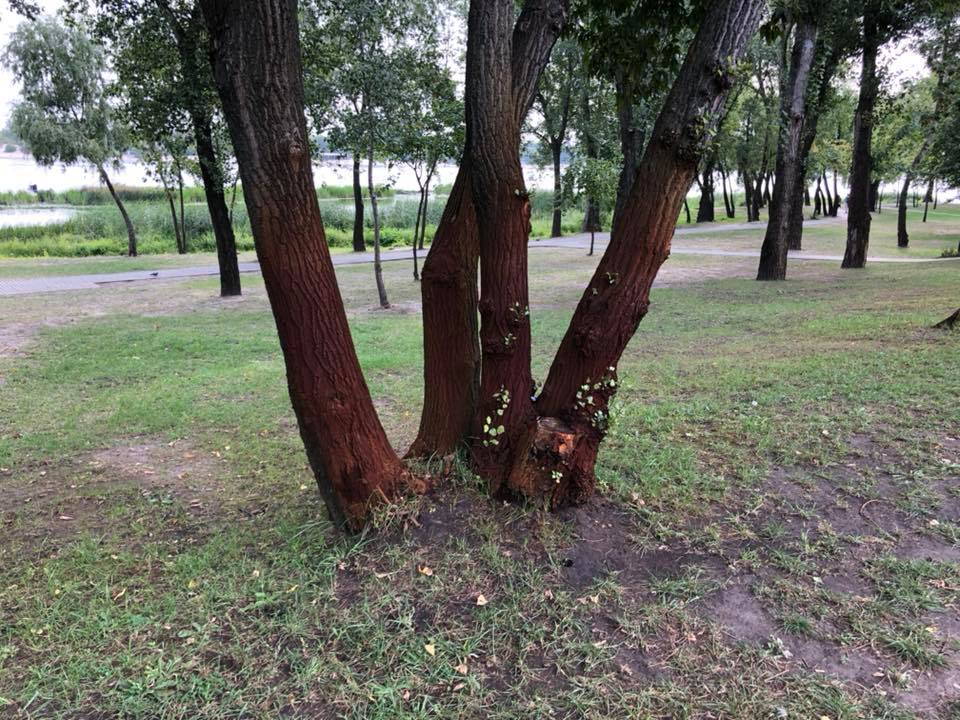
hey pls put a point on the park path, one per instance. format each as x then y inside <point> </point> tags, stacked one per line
<point>30,285</point>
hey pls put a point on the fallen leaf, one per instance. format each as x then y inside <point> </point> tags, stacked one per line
<point>425,570</point>
<point>461,668</point>
<point>430,649</point>
<point>120,594</point>
<point>65,517</point>
<point>481,600</point>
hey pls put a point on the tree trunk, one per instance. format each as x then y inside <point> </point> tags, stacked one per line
<point>168,193</point>
<point>880,199</point>
<point>728,205</point>
<point>183,217</point>
<point>828,202</point>
<point>705,210</point>
<point>556,230</point>
<point>903,238</point>
<point>426,204</point>
<point>686,208</point>
<point>631,139</point>
<point>787,190</point>
<point>503,219</point>
<point>377,266</point>
<point>416,237</point>
<point>256,60</point>
<point>926,199</point>
<point>591,215</point>
<point>358,242</point>
<point>451,343</point>
<point>858,217</point>
<point>818,205</point>
<point>217,205</point>
<point>131,235</point>
<point>556,455</point>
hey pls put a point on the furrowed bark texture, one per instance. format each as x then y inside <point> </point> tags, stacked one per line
<point>858,217</point>
<point>561,448</point>
<point>256,59</point>
<point>451,341</point>
<point>788,187</point>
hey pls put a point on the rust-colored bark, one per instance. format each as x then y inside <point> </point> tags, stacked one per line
<point>561,448</point>
<point>256,59</point>
<point>451,342</point>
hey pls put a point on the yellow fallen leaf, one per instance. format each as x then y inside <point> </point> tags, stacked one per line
<point>120,594</point>
<point>481,600</point>
<point>425,570</point>
<point>461,668</point>
<point>292,589</point>
<point>430,649</point>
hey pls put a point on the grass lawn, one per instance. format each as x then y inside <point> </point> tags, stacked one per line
<point>777,534</point>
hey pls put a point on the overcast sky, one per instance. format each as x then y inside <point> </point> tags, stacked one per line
<point>903,62</point>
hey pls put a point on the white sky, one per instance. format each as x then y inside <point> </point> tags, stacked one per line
<point>903,62</point>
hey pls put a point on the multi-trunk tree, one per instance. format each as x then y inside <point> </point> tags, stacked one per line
<point>541,447</point>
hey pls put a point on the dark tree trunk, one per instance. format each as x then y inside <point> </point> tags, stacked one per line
<point>835,202</point>
<point>858,218</point>
<point>358,242</point>
<point>416,237</point>
<point>426,205</point>
<point>451,343</point>
<point>377,265</point>
<point>874,194</point>
<point>818,205</point>
<point>591,215</point>
<point>686,208</point>
<point>806,196</point>
<point>788,190</point>
<point>705,210</point>
<point>632,139</point>
<point>256,59</point>
<point>728,205</point>
<point>183,218</point>
<point>556,230</point>
<point>880,200</point>
<point>131,235</point>
<point>766,189</point>
<point>217,205</point>
<point>828,204</point>
<point>927,198</point>
<point>555,456</point>
<point>903,238</point>
<point>178,238</point>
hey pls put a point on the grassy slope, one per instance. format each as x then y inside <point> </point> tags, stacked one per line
<point>163,552</point>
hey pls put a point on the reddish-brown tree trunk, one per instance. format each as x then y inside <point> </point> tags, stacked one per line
<point>554,458</point>
<point>256,58</point>
<point>451,343</point>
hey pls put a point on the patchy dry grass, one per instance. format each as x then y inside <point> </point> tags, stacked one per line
<point>776,537</point>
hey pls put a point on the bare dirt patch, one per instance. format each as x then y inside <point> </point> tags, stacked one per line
<point>105,492</point>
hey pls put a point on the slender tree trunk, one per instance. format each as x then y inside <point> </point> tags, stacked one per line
<point>183,217</point>
<point>377,265</point>
<point>926,199</point>
<point>880,200</point>
<point>728,205</point>
<point>131,235</point>
<point>416,236</point>
<point>358,242</point>
<point>835,202</point>
<point>451,343</point>
<point>591,215</point>
<point>686,208</point>
<point>788,190</point>
<point>858,217</point>
<point>828,204</point>
<point>256,60</point>
<point>168,193</point>
<point>555,458</point>
<point>817,204</point>
<point>556,230</point>
<point>903,238</point>
<point>426,205</point>
<point>217,205</point>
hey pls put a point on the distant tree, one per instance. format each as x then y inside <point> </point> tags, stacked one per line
<point>554,104</point>
<point>595,139</point>
<point>594,180</point>
<point>65,114</point>
<point>430,131</point>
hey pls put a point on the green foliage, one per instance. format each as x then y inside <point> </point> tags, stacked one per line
<point>65,115</point>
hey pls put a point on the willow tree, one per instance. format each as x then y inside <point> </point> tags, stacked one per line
<point>542,447</point>
<point>65,113</point>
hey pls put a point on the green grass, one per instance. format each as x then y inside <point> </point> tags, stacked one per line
<point>198,578</point>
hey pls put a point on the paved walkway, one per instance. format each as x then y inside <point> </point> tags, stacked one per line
<point>24,286</point>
